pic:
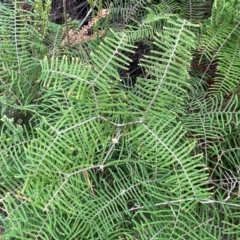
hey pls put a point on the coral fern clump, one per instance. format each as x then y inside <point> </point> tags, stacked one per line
<point>131,136</point>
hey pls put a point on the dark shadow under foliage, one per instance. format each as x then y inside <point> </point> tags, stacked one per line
<point>76,9</point>
<point>129,76</point>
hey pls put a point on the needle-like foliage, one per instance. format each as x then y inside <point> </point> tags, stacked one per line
<point>87,152</point>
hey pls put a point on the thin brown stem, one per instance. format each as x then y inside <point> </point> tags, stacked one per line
<point>66,21</point>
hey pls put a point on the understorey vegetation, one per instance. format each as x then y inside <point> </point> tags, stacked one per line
<point>119,119</point>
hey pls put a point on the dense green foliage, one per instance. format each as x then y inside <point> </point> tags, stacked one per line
<point>86,152</point>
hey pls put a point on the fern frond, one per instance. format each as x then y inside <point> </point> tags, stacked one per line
<point>224,113</point>
<point>227,80</point>
<point>168,67</point>
<point>196,10</point>
<point>221,37</point>
<point>18,68</point>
